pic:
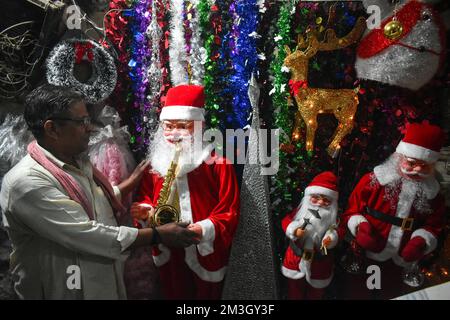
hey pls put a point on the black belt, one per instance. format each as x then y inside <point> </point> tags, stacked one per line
<point>407,224</point>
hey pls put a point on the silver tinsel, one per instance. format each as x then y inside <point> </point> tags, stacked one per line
<point>154,73</point>
<point>195,58</point>
<point>60,68</point>
<point>177,49</point>
<point>14,139</point>
<point>252,270</point>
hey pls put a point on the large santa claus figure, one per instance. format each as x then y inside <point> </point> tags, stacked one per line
<point>205,192</point>
<point>308,263</point>
<point>396,212</point>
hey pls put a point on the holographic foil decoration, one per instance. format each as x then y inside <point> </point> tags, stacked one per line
<point>252,260</point>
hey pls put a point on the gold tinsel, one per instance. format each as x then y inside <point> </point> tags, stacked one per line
<point>313,101</point>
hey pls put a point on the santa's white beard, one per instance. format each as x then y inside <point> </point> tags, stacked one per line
<point>414,191</point>
<point>316,228</point>
<point>161,153</point>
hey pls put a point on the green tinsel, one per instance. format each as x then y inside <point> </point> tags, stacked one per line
<point>212,104</point>
<point>285,184</point>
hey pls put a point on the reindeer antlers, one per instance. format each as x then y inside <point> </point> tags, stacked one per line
<point>331,42</point>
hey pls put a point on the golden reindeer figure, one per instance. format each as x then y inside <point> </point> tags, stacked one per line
<point>312,101</point>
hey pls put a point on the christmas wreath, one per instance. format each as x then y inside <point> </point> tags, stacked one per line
<point>68,53</point>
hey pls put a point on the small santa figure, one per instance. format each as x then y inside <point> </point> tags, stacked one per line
<point>204,191</point>
<point>308,263</point>
<point>396,212</point>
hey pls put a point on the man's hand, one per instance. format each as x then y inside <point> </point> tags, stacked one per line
<point>197,229</point>
<point>177,235</point>
<point>414,249</point>
<point>299,233</point>
<point>132,181</point>
<point>141,212</point>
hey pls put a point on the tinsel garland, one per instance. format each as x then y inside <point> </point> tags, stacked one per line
<point>154,72</point>
<point>211,31</point>
<point>139,64</point>
<point>197,53</point>
<point>177,51</point>
<point>243,55</point>
<point>163,9</point>
<point>117,32</point>
<point>282,185</point>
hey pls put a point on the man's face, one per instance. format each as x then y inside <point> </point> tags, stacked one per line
<point>320,200</point>
<point>415,169</point>
<point>177,130</point>
<point>75,129</point>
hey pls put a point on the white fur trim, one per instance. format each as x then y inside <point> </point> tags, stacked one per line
<point>206,245</point>
<point>321,190</point>
<point>192,261</point>
<point>333,236</point>
<point>182,113</point>
<point>429,238</point>
<point>395,234</point>
<point>305,266</point>
<point>290,230</point>
<point>184,199</point>
<point>354,222</point>
<point>291,274</point>
<point>417,152</point>
<point>320,283</point>
<point>163,257</point>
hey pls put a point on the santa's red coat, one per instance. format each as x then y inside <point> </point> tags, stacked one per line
<point>370,192</point>
<point>321,269</point>
<point>208,195</point>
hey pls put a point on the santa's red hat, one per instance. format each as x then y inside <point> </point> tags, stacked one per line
<point>184,102</point>
<point>422,141</point>
<point>325,184</point>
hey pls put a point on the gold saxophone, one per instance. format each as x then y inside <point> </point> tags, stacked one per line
<point>166,213</point>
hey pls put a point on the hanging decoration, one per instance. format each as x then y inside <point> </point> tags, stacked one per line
<point>108,148</point>
<point>177,50</point>
<point>154,72</point>
<point>140,61</point>
<point>68,53</point>
<point>197,52</point>
<point>243,55</point>
<point>117,32</point>
<point>211,31</point>
<point>283,187</point>
<point>312,101</point>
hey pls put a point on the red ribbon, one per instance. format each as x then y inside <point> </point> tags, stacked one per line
<point>82,49</point>
<point>297,85</point>
<point>375,41</point>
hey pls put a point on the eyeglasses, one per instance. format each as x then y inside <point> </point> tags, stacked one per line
<point>179,125</point>
<point>317,197</point>
<point>85,121</point>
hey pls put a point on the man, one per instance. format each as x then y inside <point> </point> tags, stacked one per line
<point>205,192</point>
<point>61,213</point>
<point>396,212</point>
<point>308,264</point>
